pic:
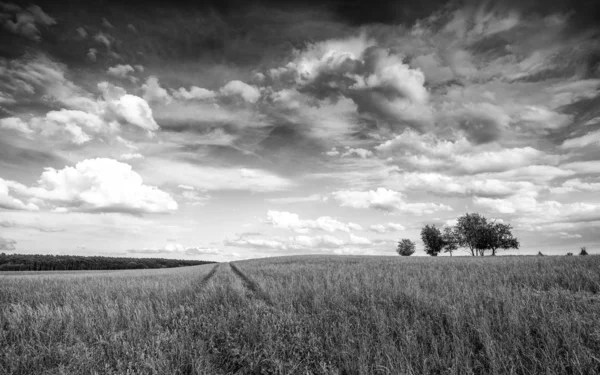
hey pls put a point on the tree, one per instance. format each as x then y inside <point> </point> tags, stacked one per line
<point>498,236</point>
<point>478,235</point>
<point>469,232</point>
<point>433,240</point>
<point>450,240</point>
<point>583,251</point>
<point>405,247</point>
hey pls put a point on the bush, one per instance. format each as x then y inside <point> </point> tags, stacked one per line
<point>583,251</point>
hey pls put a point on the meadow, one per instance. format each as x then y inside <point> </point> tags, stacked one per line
<point>309,315</point>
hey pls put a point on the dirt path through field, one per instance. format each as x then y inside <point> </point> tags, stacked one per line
<point>252,286</point>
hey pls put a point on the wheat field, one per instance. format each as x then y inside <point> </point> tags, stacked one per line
<point>308,315</point>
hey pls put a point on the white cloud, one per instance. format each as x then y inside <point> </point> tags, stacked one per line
<point>386,200</point>
<point>213,178</point>
<point>103,39</point>
<point>15,123</point>
<point>360,152</point>
<point>194,93</point>
<point>127,108</point>
<point>590,139</point>
<point>385,228</point>
<point>120,70</point>
<point>251,94</point>
<point>131,156</point>
<point>173,248</point>
<point>288,200</point>
<point>566,235</point>
<point>96,185</point>
<point>9,202</point>
<point>153,92</point>
<point>427,152</point>
<point>291,221</point>
<point>576,184</point>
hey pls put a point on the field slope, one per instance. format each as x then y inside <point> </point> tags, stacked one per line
<point>309,315</point>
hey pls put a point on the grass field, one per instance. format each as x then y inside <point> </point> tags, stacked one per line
<point>309,315</point>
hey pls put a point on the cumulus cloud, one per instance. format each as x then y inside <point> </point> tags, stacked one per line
<point>120,71</point>
<point>127,108</point>
<point>194,93</point>
<point>291,221</point>
<point>249,93</point>
<point>153,92</point>
<point>6,244</point>
<point>385,200</point>
<point>96,185</point>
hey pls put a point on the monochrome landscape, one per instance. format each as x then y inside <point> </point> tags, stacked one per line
<point>300,187</point>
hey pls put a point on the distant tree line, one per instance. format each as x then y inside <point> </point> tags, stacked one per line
<point>26,262</point>
<point>472,231</point>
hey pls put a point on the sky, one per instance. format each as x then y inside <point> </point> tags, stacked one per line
<point>233,130</point>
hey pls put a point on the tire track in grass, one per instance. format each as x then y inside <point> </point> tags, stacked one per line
<point>208,276</point>
<point>252,286</point>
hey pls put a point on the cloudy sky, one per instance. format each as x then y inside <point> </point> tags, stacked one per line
<point>247,129</point>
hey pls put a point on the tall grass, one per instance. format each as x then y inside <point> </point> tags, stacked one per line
<point>310,315</point>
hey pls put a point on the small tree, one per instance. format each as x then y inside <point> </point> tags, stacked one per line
<point>583,251</point>
<point>569,254</point>
<point>405,247</point>
<point>498,236</point>
<point>432,239</point>
<point>450,240</point>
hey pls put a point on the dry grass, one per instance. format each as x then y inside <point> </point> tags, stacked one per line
<point>302,315</point>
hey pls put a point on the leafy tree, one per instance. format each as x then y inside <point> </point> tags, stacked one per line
<point>405,247</point>
<point>498,236</point>
<point>474,232</point>
<point>469,230</point>
<point>583,251</point>
<point>450,240</point>
<point>433,239</point>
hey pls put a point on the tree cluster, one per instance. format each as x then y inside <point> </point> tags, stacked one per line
<point>26,262</point>
<point>473,232</point>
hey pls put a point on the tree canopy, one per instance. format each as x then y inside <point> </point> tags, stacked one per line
<point>405,247</point>
<point>479,235</point>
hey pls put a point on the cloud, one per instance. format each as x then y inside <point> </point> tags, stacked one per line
<point>194,93</point>
<point>24,22</point>
<point>103,39</point>
<point>324,243</point>
<point>385,200</point>
<point>173,248</point>
<point>131,156</point>
<point>6,244</point>
<point>288,220</point>
<point>589,139</point>
<point>127,108</point>
<point>96,185</point>
<point>360,152</point>
<point>206,177</point>
<point>575,185</point>
<point>385,228</point>
<point>153,92</point>
<point>11,203</point>
<point>120,71</point>
<point>428,152</point>
<point>249,93</point>
<point>15,123</point>
<point>288,200</point>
